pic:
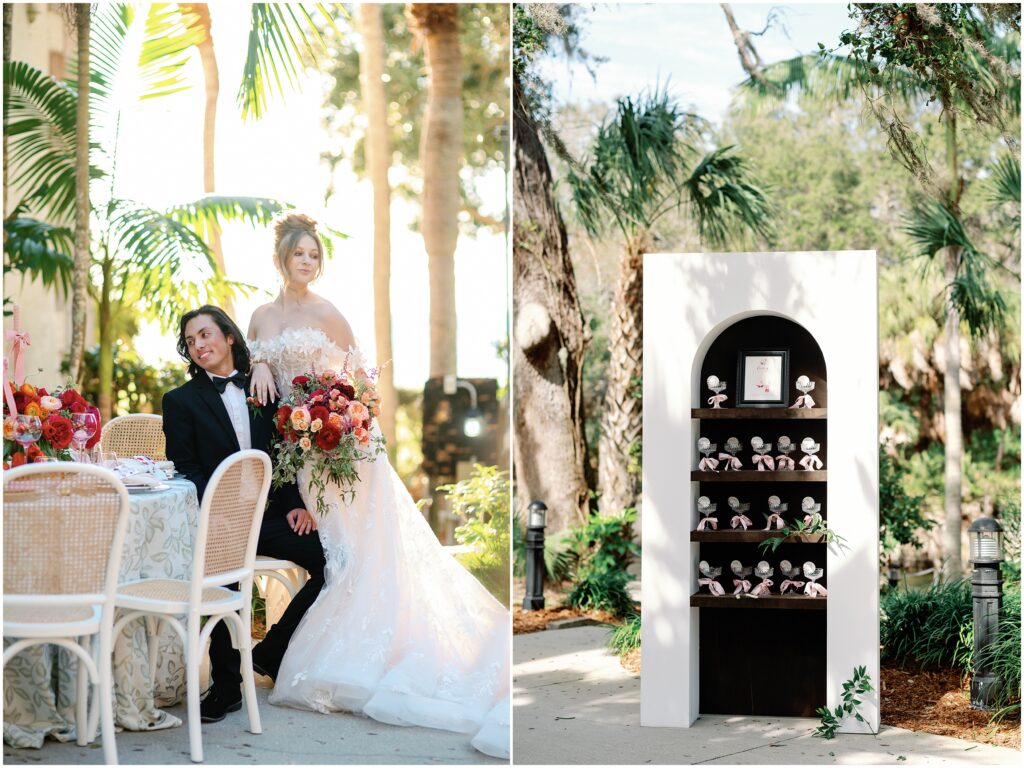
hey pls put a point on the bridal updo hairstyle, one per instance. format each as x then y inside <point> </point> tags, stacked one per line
<point>288,230</point>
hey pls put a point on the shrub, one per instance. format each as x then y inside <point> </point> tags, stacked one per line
<point>1004,656</point>
<point>602,592</point>
<point>901,514</point>
<point>926,626</point>
<point>483,502</point>
<point>626,638</point>
<point>137,386</point>
<point>559,559</point>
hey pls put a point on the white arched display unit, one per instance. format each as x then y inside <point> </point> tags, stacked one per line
<point>774,655</point>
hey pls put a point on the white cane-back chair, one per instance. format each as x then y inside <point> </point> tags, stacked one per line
<point>64,531</point>
<point>137,434</point>
<point>291,576</point>
<point>224,553</point>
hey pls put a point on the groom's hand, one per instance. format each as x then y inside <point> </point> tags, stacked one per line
<point>301,521</point>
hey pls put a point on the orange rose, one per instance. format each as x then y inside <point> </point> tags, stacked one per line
<point>335,420</point>
<point>27,389</point>
<point>305,444</point>
<point>33,452</point>
<point>357,411</point>
<point>361,435</point>
<point>300,419</point>
<point>33,409</point>
<point>316,425</point>
<point>17,459</point>
<point>9,428</point>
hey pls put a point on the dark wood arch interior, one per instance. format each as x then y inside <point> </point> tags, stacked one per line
<point>765,332</point>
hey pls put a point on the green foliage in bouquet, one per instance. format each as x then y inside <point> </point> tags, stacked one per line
<point>482,502</point>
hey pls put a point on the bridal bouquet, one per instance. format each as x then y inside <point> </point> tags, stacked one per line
<point>325,423</point>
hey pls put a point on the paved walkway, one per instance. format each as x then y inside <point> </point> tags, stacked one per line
<point>290,736</point>
<point>574,703</point>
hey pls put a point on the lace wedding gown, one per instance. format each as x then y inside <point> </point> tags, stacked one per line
<point>401,632</point>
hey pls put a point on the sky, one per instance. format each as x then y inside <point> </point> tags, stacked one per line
<point>279,157</point>
<point>688,46</point>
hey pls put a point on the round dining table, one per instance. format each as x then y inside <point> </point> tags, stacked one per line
<point>39,683</point>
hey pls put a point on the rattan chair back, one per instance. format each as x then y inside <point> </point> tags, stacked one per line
<point>60,524</point>
<point>137,434</point>
<point>232,513</point>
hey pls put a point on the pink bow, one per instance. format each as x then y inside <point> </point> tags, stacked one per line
<point>708,522</point>
<point>12,406</point>
<point>784,463</point>
<point>708,464</point>
<point>731,462</point>
<point>715,401</point>
<point>810,462</point>
<point>814,589</point>
<point>713,586</point>
<point>809,519</point>
<point>774,516</point>
<point>789,583</point>
<point>741,519</point>
<point>762,588</point>
<point>761,459</point>
<point>804,401</point>
<point>742,586</point>
<point>20,340</point>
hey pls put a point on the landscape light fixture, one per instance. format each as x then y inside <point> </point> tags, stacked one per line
<point>985,537</point>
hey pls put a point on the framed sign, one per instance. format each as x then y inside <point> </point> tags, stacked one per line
<point>763,378</point>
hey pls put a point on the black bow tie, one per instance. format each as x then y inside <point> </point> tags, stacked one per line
<point>220,383</point>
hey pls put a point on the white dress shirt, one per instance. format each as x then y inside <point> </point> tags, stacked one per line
<point>234,401</point>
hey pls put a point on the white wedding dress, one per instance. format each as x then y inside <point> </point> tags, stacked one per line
<point>401,631</point>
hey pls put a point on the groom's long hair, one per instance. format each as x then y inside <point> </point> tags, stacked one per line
<point>239,350</point>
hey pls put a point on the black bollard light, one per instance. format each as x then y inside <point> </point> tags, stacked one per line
<point>535,523</point>
<point>986,542</point>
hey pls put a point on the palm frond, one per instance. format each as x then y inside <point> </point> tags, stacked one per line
<point>40,250</point>
<point>933,227</point>
<point>216,210</point>
<point>39,122</point>
<point>167,42</point>
<point>1005,182</point>
<point>280,35</point>
<point>727,202</point>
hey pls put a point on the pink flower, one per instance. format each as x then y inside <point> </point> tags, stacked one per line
<point>300,418</point>
<point>50,403</point>
<point>361,435</point>
<point>316,425</point>
<point>305,444</point>
<point>357,410</point>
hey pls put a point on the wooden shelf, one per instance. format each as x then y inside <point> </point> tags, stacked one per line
<point>784,602</point>
<point>738,535</point>
<point>759,413</point>
<point>756,476</point>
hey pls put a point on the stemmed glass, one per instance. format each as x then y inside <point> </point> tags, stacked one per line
<point>83,426</point>
<point>27,430</point>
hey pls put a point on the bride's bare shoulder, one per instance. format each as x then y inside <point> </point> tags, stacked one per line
<point>335,325</point>
<point>258,321</point>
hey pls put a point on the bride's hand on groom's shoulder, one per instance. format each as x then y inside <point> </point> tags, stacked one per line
<point>301,521</point>
<point>262,384</point>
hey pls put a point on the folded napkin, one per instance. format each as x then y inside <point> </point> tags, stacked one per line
<point>140,471</point>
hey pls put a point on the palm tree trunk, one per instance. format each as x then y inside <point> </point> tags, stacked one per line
<point>211,80</point>
<point>440,153</point>
<point>82,207</point>
<point>106,354</point>
<point>952,536</point>
<point>371,70</point>
<point>622,416</point>
<point>549,341</point>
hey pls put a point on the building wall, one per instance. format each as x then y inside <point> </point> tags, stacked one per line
<point>40,37</point>
<point>688,300</point>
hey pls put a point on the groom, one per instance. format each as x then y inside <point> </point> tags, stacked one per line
<point>205,421</point>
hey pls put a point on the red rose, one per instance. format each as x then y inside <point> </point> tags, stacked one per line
<point>347,390</point>
<point>317,393</point>
<point>17,459</point>
<point>319,412</point>
<point>57,431</point>
<point>283,414</point>
<point>68,397</point>
<point>303,380</point>
<point>20,401</point>
<point>327,439</point>
<point>42,392</point>
<point>99,433</point>
<point>78,407</point>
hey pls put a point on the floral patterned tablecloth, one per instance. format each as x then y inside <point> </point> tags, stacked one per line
<point>39,683</point>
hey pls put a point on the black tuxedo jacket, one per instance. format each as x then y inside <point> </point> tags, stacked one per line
<point>200,436</point>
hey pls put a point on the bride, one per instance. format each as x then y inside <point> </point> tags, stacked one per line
<point>400,632</point>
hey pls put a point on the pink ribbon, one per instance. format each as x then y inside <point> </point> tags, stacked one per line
<point>786,584</point>
<point>12,407</point>
<point>742,586</point>
<point>814,589</point>
<point>708,464</point>
<point>715,401</point>
<point>810,462</point>
<point>713,586</point>
<point>808,519</point>
<point>741,519</point>
<point>762,588</point>
<point>20,340</point>
<point>777,519</point>
<point>804,401</point>
<point>762,459</point>
<point>784,463</point>
<point>708,522</point>
<point>731,462</point>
